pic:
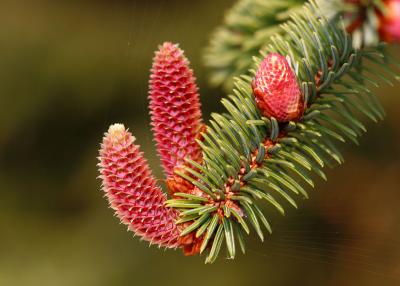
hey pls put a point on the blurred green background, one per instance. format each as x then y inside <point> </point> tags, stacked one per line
<point>68,69</point>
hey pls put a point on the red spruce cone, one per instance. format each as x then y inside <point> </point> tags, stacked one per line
<point>276,89</point>
<point>389,24</point>
<point>132,191</point>
<point>174,108</point>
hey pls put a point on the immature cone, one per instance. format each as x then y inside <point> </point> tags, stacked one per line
<point>174,108</point>
<point>132,191</point>
<point>276,89</point>
<point>389,26</point>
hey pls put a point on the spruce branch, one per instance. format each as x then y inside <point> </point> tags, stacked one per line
<point>249,156</point>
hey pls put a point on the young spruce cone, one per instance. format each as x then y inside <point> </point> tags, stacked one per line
<point>132,191</point>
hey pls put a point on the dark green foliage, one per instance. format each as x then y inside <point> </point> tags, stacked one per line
<point>247,28</point>
<point>361,18</point>
<point>250,24</point>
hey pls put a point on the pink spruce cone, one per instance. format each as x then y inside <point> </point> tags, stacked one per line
<point>276,89</point>
<point>132,191</point>
<point>174,108</point>
<point>389,26</point>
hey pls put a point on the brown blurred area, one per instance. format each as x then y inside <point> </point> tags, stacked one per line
<point>68,69</point>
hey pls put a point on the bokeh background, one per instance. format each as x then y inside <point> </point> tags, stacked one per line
<point>70,68</point>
